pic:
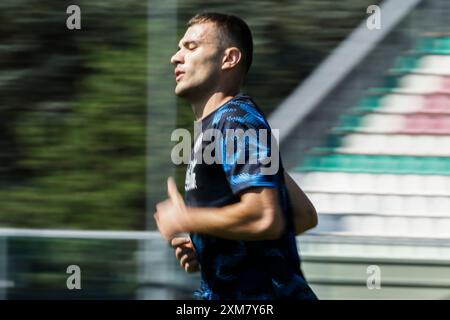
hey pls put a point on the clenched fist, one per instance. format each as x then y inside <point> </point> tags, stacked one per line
<point>185,253</point>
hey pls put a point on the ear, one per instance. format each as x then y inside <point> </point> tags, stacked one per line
<point>231,58</point>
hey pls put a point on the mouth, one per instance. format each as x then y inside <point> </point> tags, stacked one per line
<point>178,75</point>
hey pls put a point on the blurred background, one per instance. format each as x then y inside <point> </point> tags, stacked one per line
<point>86,118</point>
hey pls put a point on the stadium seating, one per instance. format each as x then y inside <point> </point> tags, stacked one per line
<point>384,169</point>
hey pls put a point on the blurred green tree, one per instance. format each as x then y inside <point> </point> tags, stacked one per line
<point>73,103</point>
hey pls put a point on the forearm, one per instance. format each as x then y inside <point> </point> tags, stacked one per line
<point>304,213</point>
<point>305,218</point>
<point>237,221</point>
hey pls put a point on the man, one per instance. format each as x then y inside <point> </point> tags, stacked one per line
<point>241,217</point>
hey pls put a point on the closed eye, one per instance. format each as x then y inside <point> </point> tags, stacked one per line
<point>191,46</point>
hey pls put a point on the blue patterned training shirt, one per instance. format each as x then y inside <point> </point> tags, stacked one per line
<point>221,167</point>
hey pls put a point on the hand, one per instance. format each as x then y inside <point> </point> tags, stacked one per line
<point>171,214</point>
<point>185,253</point>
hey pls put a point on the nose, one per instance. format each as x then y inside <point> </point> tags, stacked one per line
<point>176,58</point>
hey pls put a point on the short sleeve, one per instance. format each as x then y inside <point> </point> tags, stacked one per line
<point>249,154</point>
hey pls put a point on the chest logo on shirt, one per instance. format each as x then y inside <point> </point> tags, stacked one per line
<point>190,182</point>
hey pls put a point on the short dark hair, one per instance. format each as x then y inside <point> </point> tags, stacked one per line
<point>232,27</point>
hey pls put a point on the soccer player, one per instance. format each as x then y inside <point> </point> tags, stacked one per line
<point>242,211</point>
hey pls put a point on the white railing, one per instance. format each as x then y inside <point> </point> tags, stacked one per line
<point>159,276</point>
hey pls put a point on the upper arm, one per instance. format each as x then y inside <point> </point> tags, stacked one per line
<point>247,153</point>
<point>265,203</point>
<point>247,142</point>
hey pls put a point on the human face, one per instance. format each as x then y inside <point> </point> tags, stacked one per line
<point>197,61</point>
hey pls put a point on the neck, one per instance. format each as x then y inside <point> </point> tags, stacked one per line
<point>206,105</point>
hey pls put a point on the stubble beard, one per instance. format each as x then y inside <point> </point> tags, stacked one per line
<point>195,92</point>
